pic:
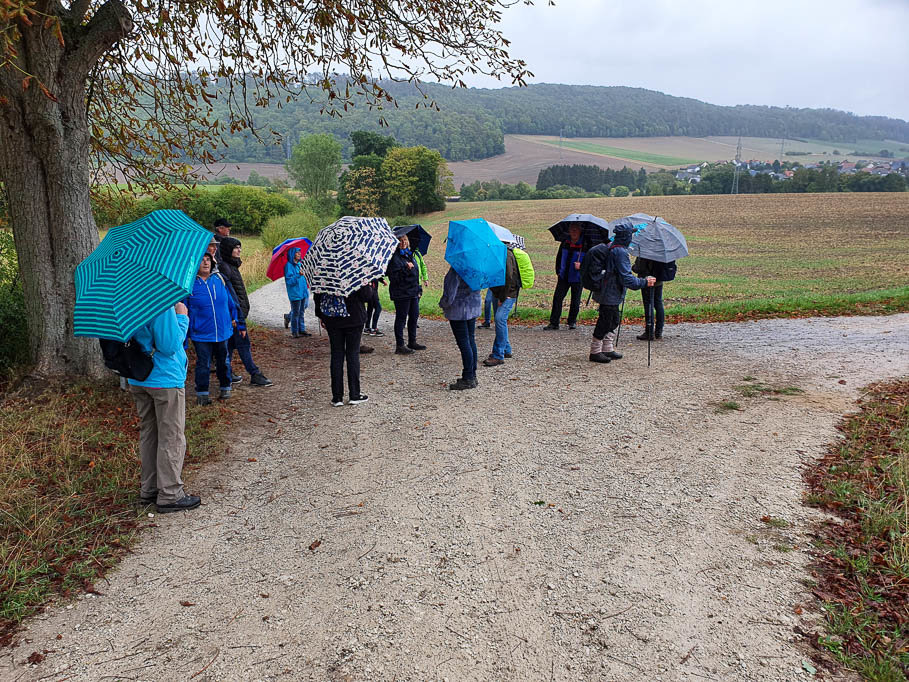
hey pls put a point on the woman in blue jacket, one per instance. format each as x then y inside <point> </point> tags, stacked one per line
<point>404,290</point>
<point>297,291</point>
<point>212,318</point>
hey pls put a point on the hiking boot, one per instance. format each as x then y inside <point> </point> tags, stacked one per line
<point>357,400</point>
<point>508,355</point>
<point>599,357</point>
<point>260,380</point>
<point>416,346</point>
<point>366,350</point>
<point>612,355</point>
<point>203,400</point>
<point>185,503</point>
<point>485,325</point>
<point>645,336</point>
<point>551,326</point>
<point>286,321</point>
<point>224,394</point>
<point>403,350</point>
<point>572,325</point>
<point>304,334</point>
<point>493,362</point>
<point>462,384</point>
<point>235,378</point>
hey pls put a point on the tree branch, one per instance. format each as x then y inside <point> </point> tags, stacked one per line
<point>110,23</point>
<point>77,11</point>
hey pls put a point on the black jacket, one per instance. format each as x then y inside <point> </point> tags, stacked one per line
<point>356,308</point>
<point>403,282</point>
<point>229,267</point>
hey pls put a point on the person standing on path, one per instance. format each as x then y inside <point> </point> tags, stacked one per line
<point>461,306</point>
<point>490,305</point>
<point>230,249</point>
<point>297,292</point>
<point>343,319</point>
<point>222,230</point>
<point>613,272</point>
<point>373,310</point>
<point>653,329</point>
<point>568,269</point>
<point>161,404</point>
<point>507,296</point>
<point>404,290</point>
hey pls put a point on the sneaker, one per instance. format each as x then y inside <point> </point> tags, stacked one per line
<point>551,326</point>
<point>462,385</point>
<point>376,332</point>
<point>235,378</point>
<point>337,403</point>
<point>225,394</point>
<point>359,399</point>
<point>403,350</point>
<point>493,362</point>
<point>203,400</point>
<point>304,334</point>
<point>416,346</point>
<point>369,332</point>
<point>366,350</point>
<point>572,326</point>
<point>286,321</point>
<point>485,325</point>
<point>185,503</point>
<point>599,357</point>
<point>260,380</point>
<point>508,355</point>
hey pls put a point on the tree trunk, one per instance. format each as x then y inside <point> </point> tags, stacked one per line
<point>44,165</point>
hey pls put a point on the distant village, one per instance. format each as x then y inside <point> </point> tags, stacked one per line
<point>786,169</point>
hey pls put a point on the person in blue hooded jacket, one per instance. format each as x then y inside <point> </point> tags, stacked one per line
<point>297,291</point>
<point>161,404</point>
<point>213,315</point>
<point>611,268</point>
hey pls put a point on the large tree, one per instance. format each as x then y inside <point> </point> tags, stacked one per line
<point>315,165</point>
<point>87,86</point>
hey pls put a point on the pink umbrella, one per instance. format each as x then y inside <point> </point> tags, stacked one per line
<point>279,258</point>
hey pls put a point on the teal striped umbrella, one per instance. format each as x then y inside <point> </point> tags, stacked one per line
<point>137,271</point>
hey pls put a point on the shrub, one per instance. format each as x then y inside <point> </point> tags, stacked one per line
<point>621,191</point>
<point>13,326</point>
<point>297,224</point>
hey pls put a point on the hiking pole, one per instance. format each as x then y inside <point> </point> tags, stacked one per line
<point>649,330</point>
<point>621,315</point>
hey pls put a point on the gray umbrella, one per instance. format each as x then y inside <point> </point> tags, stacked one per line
<point>656,239</point>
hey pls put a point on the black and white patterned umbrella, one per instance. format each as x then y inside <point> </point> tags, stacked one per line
<point>347,254</point>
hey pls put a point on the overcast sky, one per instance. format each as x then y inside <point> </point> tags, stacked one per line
<point>844,54</point>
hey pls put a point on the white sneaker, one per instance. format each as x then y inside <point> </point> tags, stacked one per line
<point>359,399</point>
<point>337,403</point>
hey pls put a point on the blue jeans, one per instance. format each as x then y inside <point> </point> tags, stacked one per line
<point>464,333</point>
<point>205,351</point>
<point>242,346</point>
<point>297,324</point>
<point>501,345</point>
<point>489,303</point>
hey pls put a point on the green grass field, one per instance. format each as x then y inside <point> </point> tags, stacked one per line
<point>751,255</point>
<point>630,154</point>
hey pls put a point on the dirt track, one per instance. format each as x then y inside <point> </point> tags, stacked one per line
<point>565,521</point>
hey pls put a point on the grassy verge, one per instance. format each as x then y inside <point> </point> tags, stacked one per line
<point>862,565</point>
<point>69,478</point>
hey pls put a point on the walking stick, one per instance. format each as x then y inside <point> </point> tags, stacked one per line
<point>621,315</point>
<point>649,331</point>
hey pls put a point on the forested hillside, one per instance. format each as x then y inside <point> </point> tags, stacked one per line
<point>472,122</point>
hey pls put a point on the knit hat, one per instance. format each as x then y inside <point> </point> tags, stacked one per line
<point>622,235</point>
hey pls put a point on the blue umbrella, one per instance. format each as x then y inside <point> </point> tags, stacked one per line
<point>595,230</point>
<point>476,253</point>
<point>347,254</point>
<point>286,241</point>
<point>419,238</point>
<point>138,271</point>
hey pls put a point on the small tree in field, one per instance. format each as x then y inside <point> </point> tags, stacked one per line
<point>315,165</point>
<point>89,86</point>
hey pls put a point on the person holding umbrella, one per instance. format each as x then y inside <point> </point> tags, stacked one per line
<point>461,306</point>
<point>297,292</point>
<point>404,290</point>
<point>610,267</point>
<point>507,296</point>
<point>343,319</point>
<point>568,269</point>
<point>652,299</point>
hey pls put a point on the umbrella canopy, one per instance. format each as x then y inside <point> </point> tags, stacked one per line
<point>657,240</point>
<point>279,256</point>
<point>595,230</point>
<point>347,254</point>
<point>638,221</point>
<point>507,236</point>
<point>138,271</point>
<point>419,238</point>
<point>476,253</point>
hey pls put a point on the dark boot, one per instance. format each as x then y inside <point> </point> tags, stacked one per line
<point>403,350</point>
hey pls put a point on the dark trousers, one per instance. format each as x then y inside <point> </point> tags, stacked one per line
<point>465,336</point>
<point>345,345</point>
<point>373,310</point>
<point>244,350</point>
<point>205,351</point>
<point>562,288</point>
<point>407,310</point>
<point>490,305</point>
<point>648,310</point>
<point>607,321</point>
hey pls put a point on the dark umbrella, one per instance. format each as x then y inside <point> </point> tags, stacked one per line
<point>595,230</point>
<point>419,238</point>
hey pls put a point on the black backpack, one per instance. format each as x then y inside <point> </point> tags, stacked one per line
<point>592,267</point>
<point>664,272</point>
<point>129,359</point>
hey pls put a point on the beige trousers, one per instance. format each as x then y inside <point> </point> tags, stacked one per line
<point>162,441</point>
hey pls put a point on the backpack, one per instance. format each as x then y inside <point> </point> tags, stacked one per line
<point>129,359</point>
<point>333,306</point>
<point>592,267</point>
<point>525,267</point>
<point>664,272</point>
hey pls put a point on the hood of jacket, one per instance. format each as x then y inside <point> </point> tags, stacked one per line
<point>291,254</point>
<point>226,247</point>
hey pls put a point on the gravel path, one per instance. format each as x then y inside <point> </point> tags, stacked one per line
<point>565,521</point>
